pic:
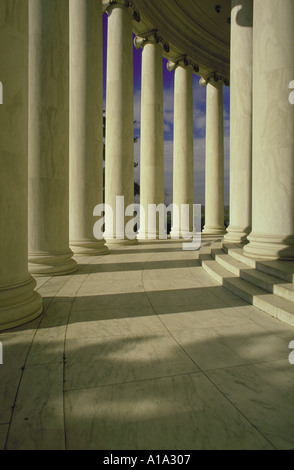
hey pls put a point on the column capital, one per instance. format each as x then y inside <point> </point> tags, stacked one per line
<point>203,82</point>
<point>150,37</point>
<point>183,62</point>
<point>108,5</point>
<point>213,79</point>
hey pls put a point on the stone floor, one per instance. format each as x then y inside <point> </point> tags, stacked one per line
<point>142,350</point>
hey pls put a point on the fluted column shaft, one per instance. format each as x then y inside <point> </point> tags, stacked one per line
<point>86,124</point>
<point>152,134</point>
<point>19,302</point>
<point>272,235</point>
<point>241,121</point>
<point>214,169</point>
<point>119,157</point>
<point>183,161</point>
<point>48,118</point>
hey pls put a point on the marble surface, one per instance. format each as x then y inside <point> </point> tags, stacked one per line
<point>183,150</point>
<point>48,139</point>
<point>119,133</point>
<point>240,120</point>
<point>273,140</point>
<point>214,159</point>
<point>152,133</point>
<point>179,412</point>
<point>264,393</point>
<point>141,349</point>
<point>85,124</point>
<point>19,302</point>
<point>3,434</point>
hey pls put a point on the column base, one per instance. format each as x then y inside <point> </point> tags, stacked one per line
<point>236,235</point>
<point>177,234</point>
<point>214,230</point>
<point>156,235</point>
<point>20,304</point>
<point>268,247</point>
<point>120,241</point>
<point>89,247</point>
<point>52,264</point>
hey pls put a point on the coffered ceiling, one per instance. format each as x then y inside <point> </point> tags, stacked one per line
<point>199,29</point>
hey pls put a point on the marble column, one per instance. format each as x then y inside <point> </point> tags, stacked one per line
<point>272,235</point>
<point>183,161</point>
<point>86,124</point>
<point>152,134</point>
<point>19,303</point>
<point>48,122</point>
<point>241,121</point>
<point>214,166</point>
<point>119,139</point>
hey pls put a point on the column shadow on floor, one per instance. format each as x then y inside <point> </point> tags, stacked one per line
<point>129,393</point>
<point>133,266</point>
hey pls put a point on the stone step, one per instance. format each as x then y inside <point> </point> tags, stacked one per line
<point>230,263</point>
<point>261,279</point>
<point>236,252</point>
<point>281,269</point>
<point>270,303</point>
<point>270,283</point>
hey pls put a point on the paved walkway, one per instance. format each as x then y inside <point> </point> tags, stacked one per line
<point>141,349</point>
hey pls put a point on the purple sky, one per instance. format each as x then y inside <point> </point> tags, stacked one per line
<point>199,126</point>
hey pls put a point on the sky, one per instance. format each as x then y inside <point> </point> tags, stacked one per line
<point>199,99</point>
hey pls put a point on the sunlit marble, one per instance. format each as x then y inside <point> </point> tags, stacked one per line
<point>119,139</point>
<point>18,300</point>
<point>273,139</point>
<point>214,159</point>
<point>152,133</point>
<point>122,369</point>
<point>85,125</point>
<point>183,157</point>
<point>240,120</point>
<point>48,142</point>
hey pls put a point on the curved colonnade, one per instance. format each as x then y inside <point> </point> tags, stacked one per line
<point>52,78</point>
